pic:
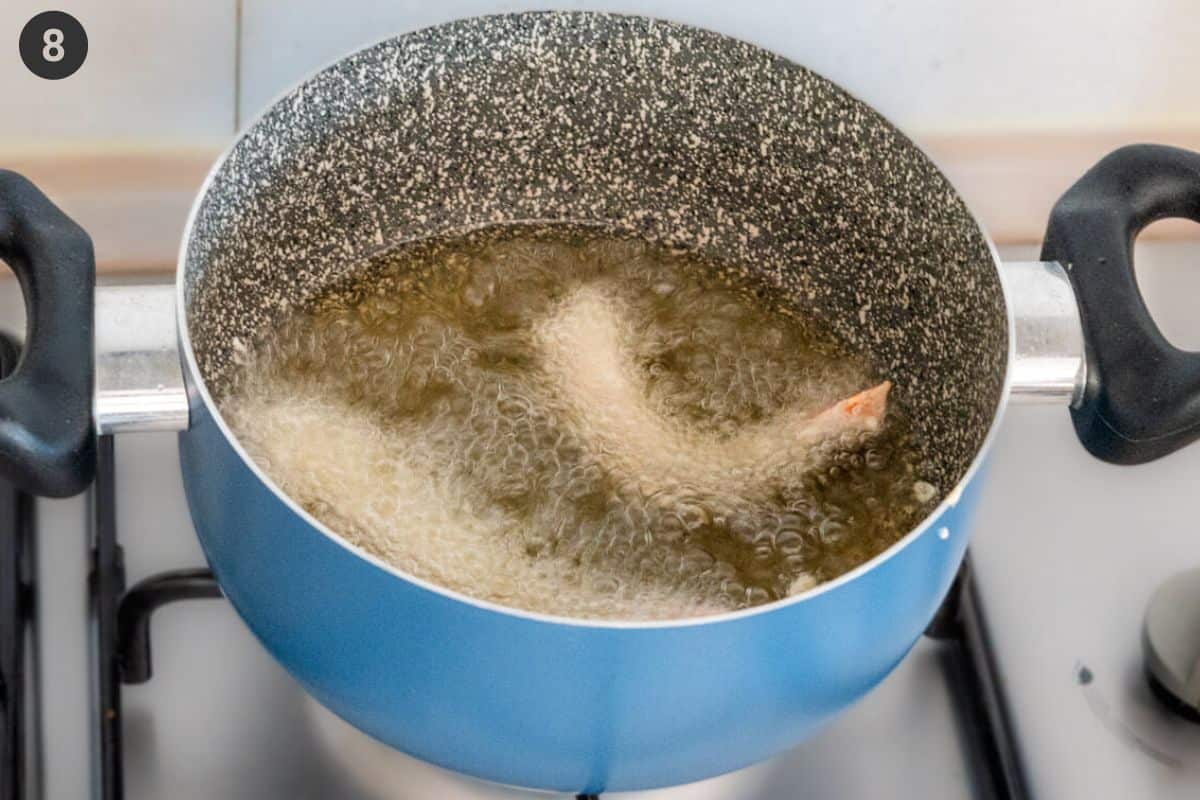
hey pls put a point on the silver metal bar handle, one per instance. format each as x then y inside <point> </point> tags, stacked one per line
<point>140,386</point>
<point>1049,364</point>
<point>139,376</point>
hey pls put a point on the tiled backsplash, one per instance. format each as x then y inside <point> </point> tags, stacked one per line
<point>165,68</point>
<point>932,66</point>
<point>1013,99</point>
<point>155,70</point>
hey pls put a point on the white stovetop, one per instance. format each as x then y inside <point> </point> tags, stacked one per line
<point>1068,551</point>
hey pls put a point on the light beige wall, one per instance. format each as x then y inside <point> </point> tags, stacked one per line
<point>932,66</point>
<point>156,70</point>
<point>1013,99</point>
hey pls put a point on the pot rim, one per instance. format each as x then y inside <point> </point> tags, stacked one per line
<point>925,526</point>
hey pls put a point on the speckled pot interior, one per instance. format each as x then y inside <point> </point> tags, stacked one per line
<point>669,132</point>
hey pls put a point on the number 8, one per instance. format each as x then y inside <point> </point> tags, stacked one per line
<point>53,39</point>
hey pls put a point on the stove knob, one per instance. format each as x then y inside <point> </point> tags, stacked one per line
<point>1171,640</point>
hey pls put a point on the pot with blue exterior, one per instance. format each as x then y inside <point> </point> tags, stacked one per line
<point>667,132</point>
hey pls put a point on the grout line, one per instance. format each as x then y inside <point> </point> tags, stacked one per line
<point>237,67</point>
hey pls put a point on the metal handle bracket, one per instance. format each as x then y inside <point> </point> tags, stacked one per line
<point>1049,364</point>
<point>139,377</point>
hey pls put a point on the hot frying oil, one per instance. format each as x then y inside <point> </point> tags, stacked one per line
<point>558,422</point>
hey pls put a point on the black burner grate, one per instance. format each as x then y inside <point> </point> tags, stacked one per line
<point>16,617</point>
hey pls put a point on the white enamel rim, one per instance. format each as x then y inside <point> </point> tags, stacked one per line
<point>926,527</point>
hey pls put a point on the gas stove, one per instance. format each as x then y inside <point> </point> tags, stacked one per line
<point>137,680</point>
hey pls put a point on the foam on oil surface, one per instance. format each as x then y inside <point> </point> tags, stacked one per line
<point>586,427</point>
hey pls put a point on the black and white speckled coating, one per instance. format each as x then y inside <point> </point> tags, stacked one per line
<point>673,133</point>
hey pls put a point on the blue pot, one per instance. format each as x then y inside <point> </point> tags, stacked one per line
<point>521,698</point>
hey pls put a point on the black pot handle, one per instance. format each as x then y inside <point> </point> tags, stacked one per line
<point>46,442</point>
<point>1142,399</point>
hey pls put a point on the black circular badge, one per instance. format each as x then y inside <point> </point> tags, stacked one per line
<point>53,45</point>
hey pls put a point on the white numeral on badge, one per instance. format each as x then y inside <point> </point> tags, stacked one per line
<point>53,39</point>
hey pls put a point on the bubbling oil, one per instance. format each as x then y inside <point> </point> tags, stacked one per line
<point>418,413</point>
